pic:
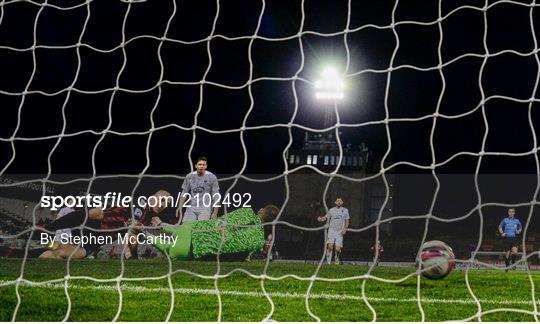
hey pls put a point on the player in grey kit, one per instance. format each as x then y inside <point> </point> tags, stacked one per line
<point>198,184</point>
<point>338,219</point>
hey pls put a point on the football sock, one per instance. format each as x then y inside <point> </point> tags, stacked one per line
<point>514,257</point>
<point>71,220</point>
<point>127,251</point>
<point>35,253</point>
<point>328,256</point>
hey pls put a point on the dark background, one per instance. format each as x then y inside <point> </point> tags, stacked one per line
<point>95,106</point>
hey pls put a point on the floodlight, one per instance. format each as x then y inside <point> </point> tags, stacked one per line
<point>331,86</point>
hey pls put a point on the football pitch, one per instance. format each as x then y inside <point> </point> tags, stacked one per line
<point>92,292</point>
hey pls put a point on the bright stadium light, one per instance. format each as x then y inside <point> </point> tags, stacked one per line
<point>331,86</point>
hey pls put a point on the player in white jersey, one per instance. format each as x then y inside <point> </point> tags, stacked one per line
<point>200,191</point>
<point>338,222</point>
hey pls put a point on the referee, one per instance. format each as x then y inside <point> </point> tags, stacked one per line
<point>509,228</point>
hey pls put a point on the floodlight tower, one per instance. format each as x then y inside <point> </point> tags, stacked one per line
<point>330,90</point>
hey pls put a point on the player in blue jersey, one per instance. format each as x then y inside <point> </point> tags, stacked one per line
<point>510,228</point>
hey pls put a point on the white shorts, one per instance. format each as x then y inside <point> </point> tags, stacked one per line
<point>58,234</point>
<point>194,213</point>
<point>334,237</point>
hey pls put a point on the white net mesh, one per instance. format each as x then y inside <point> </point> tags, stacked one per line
<point>294,80</point>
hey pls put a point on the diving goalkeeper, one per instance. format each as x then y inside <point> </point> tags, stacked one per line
<point>236,234</point>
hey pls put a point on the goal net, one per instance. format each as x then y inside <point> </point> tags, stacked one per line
<point>420,117</point>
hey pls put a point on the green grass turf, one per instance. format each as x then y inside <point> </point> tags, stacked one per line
<point>93,301</point>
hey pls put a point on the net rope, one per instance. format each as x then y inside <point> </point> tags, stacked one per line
<point>293,80</point>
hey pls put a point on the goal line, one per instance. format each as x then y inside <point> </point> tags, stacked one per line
<point>192,291</point>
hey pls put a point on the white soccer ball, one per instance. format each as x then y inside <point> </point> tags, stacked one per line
<point>437,259</point>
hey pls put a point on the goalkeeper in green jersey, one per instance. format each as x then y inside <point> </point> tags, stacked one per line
<point>237,233</point>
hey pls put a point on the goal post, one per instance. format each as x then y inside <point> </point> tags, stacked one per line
<point>291,104</point>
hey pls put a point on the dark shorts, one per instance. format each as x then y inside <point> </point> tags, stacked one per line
<point>510,242</point>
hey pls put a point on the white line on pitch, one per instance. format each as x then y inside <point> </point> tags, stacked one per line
<point>191,291</point>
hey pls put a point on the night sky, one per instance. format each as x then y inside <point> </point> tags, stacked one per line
<point>411,93</point>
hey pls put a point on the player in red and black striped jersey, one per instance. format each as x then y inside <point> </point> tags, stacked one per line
<point>107,222</point>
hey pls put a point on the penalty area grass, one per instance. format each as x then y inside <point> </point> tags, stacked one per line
<point>154,290</point>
